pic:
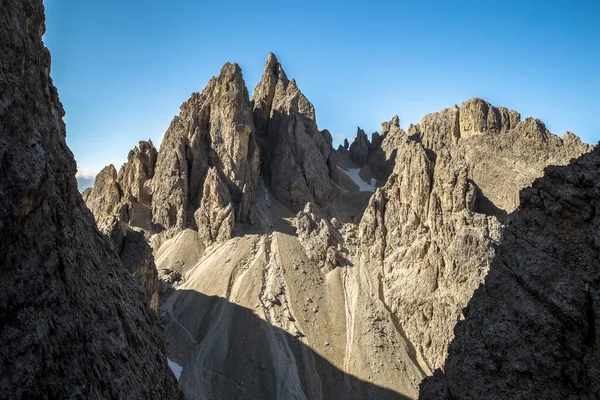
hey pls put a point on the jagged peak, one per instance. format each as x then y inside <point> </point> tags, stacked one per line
<point>109,170</point>
<point>273,72</point>
<point>142,147</point>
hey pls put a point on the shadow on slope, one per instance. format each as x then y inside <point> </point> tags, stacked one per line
<point>228,352</point>
<point>532,330</point>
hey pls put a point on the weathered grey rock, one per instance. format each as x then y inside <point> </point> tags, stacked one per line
<point>214,129</point>
<point>105,199</point>
<point>121,200</point>
<point>431,231</point>
<point>134,178</point>
<point>215,218</point>
<point>125,196</point>
<point>532,330</point>
<point>136,256</point>
<point>295,155</point>
<point>359,149</point>
<point>74,322</point>
<point>319,238</point>
<point>478,116</point>
<point>335,223</point>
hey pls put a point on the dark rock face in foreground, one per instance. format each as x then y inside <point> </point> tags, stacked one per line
<point>73,323</point>
<point>532,331</point>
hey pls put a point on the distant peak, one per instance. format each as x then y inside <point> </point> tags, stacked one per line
<point>231,68</point>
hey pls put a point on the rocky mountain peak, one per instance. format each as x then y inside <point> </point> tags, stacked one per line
<point>359,149</point>
<point>295,156</point>
<point>478,116</point>
<point>433,227</point>
<point>213,130</point>
<point>376,247</point>
<point>135,174</point>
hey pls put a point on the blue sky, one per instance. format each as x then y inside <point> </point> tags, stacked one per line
<point>123,68</point>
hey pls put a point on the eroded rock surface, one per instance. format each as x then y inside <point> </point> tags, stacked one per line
<point>295,155</point>
<point>532,330</point>
<point>126,195</point>
<point>74,322</point>
<point>278,254</point>
<point>213,130</point>
<point>431,231</point>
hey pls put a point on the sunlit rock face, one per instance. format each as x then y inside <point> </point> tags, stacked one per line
<point>213,131</point>
<point>291,270</point>
<point>532,330</point>
<point>75,323</point>
<point>432,230</point>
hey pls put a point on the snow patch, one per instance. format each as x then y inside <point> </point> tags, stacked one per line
<point>264,188</point>
<point>363,186</point>
<point>176,368</point>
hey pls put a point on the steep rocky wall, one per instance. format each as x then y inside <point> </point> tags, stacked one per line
<point>431,231</point>
<point>73,321</point>
<point>123,199</point>
<point>532,330</point>
<point>297,159</point>
<point>214,129</point>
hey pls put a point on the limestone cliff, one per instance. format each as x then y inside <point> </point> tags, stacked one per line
<point>532,331</point>
<point>120,200</point>
<point>74,322</point>
<point>296,156</point>
<point>292,279</point>
<point>430,233</point>
<point>213,130</point>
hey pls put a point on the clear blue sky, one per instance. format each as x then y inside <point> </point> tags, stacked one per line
<point>123,68</point>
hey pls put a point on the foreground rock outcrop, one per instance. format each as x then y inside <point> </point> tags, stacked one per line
<point>74,322</point>
<point>532,331</point>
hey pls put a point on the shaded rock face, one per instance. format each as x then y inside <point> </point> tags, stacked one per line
<point>296,157</point>
<point>370,156</point>
<point>136,256</point>
<point>359,149</point>
<point>431,231</point>
<point>120,200</point>
<point>74,323</point>
<point>532,330</point>
<point>213,130</point>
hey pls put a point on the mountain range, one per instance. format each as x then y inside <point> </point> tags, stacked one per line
<point>247,258</point>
